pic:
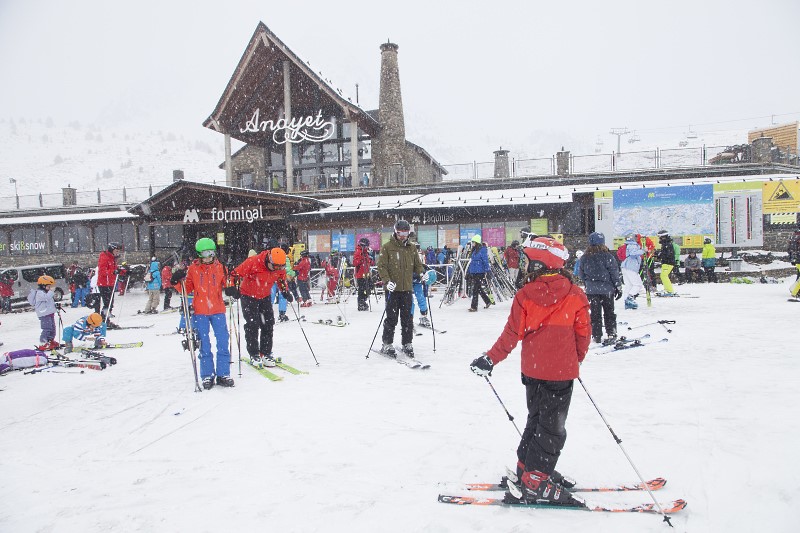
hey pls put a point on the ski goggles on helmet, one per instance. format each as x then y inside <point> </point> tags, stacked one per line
<point>402,233</point>
<point>208,253</point>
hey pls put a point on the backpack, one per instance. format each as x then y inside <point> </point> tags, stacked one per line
<point>622,252</point>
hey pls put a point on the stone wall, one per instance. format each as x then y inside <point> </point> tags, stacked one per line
<point>250,159</point>
<point>419,168</point>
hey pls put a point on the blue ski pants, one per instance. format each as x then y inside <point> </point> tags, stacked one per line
<point>203,324</point>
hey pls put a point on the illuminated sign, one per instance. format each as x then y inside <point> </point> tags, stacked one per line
<point>298,129</point>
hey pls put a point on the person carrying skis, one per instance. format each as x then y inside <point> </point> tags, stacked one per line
<point>631,264</point>
<point>85,327</point>
<point>599,271</point>
<point>550,315</point>
<point>41,299</point>
<point>206,279</point>
<point>478,267</point>
<point>397,263</point>
<point>256,276</point>
<point>106,275</point>
<point>511,257</point>
<point>362,261</point>
<point>303,269</point>
<point>668,260</point>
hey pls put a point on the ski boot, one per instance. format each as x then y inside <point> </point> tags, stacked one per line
<point>268,360</point>
<point>388,350</point>
<point>48,346</point>
<point>282,317</point>
<point>68,347</point>
<point>408,350</point>
<point>630,303</point>
<point>256,361</point>
<point>208,382</point>
<point>538,487</point>
<point>225,381</point>
<point>424,322</point>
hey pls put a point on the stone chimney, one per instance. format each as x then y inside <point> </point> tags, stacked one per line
<point>69,195</point>
<point>388,161</point>
<point>177,175</point>
<point>762,150</point>
<point>501,168</point>
<point>562,162</point>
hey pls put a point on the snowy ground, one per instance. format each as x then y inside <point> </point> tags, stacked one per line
<point>366,444</point>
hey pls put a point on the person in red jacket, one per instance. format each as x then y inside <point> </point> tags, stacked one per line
<point>166,286</point>
<point>550,315</point>
<point>256,276</point>
<point>511,256</point>
<point>206,279</point>
<point>107,276</point>
<point>303,269</point>
<point>362,261</point>
<point>332,275</point>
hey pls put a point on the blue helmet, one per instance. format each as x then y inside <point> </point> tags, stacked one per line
<point>596,239</point>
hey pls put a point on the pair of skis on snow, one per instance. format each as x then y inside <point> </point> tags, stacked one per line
<point>403,359</point>
<point>624,343</point>
<point>653,485</point>
<point>278,364</point>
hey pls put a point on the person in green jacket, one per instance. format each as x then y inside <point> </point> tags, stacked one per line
<point>709,258</point>
<point>397,263</point>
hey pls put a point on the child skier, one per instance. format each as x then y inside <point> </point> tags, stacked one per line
<point>599,271</point>
<point>41,299</point>
<point>550,315</point>
<point>88,326</point>
<point>630,272</point>
<point>206,278</point>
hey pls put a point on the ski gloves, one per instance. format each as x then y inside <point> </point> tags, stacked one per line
<point>232,292</point>
<point>287,296</point>
<point>482,366</point>
<point>177,276</point>
<point>617,293</point>
<point>390,286</point>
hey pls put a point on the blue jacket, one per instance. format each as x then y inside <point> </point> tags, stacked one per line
<point>600,273</point>
<point>155,283</point>
<point>480,261</point>
<point>442,258</point>
<point>633,256</point>
<point>430,257</point>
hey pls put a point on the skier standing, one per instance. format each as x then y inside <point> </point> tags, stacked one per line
<point>630,272</point>
<point>511,256</point>
<point>166,274</point>
<point>668,260</point>
<point>550,315</point>
<point>709,259</point>
<point>256,276</point>
<point>478,267</point>
<point>206,279</point>
<point>153,287</point>
<point>397,263</point>
<point>599,271</point>
<point>106,275</point>
<point>303,269</point>
<point>362,261</point>
<point>41,299</point>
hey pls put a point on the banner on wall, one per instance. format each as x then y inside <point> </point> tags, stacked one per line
<point>682,210</point>
<point>512,231</point>
<point>319,243</point>
<point>781,196</point>
<point>539,226</point>
<point>494,236</point>
<point>343,242</point>
<point>427,237</point>
<point>374,239</point>
<point>449,236</point>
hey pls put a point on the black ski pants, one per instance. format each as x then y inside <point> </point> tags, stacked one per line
<point>304,292</point>
<point>398,304</point>
<point>601,309</point>
<point>259,319</point>
<point>167,297</point>
<point>545,430</point>
<point>105,295</point>
<point>477,289</point>
<point>363,293</point>
<point>711,276</point>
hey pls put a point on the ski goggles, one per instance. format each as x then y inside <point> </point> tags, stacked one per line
<point>208,253</point>
<point>403,234</point>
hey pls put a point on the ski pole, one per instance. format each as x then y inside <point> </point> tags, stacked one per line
<point>662,322</point>
<point>511,418</point>
<point>619,442</point>
<point>238,338</point>
<point>430,312</point>
<point>299,323</point>
<point>380,323</point>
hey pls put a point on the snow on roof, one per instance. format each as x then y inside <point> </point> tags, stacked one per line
<point>71,217</point>
<point>362,203</point>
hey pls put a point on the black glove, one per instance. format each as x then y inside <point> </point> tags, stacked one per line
<point>233,292</point>
<point>58,306</point>
<point>287,296</point>
<point>177,276</point>
<point>482,366</point>
<point>617,293</point>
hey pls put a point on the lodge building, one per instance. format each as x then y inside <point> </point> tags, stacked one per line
<point>318,169</point>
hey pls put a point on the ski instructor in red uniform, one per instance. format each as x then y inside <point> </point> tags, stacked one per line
<point>107,275</point>
<point>550,315</point>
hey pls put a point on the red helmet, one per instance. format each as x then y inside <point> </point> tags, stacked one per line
<point>548,252</point>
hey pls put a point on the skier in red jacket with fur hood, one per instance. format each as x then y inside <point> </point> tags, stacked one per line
<point>550,315</point>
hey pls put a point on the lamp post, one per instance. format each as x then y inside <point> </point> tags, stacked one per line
<point>16,194</point>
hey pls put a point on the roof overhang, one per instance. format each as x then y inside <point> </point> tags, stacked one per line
<point>257,84</point>
<point>176,199</point>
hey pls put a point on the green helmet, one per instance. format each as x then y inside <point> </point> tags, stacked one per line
<point>204,244</point>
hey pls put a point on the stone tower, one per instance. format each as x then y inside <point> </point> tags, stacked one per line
<point>501,169</point>
<point>388,161</point>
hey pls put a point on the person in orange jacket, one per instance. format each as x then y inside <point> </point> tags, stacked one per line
<point>207,279</point>
<point>256,276</point>
<point>550,315</point>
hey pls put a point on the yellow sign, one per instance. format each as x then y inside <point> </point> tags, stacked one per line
<point>220,239</point>
<point>781,196</point>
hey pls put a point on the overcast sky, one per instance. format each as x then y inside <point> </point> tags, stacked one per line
<point>528,75</point>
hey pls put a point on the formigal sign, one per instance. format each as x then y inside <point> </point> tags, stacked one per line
<point>237,214</point>
<point>298,129</point>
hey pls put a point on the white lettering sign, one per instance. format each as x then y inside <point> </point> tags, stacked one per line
<point>298,129</point>
<point>234,215</point>
<point>22,246</point>
<point>190,216</point>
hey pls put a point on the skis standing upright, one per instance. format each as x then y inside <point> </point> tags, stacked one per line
<point>190,339</point>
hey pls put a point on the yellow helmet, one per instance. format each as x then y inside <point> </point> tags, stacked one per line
<point>46,280</point>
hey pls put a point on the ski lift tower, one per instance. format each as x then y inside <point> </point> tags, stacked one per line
<point>619,132</point>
